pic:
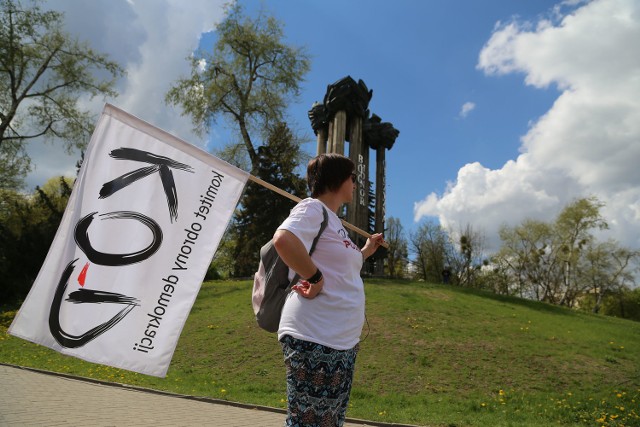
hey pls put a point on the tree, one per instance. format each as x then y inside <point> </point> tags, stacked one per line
<point>563,263</point>
<point>545,259</point>
<point>468,259</point>
<point>223,263</point>
<point>573,230</point>
<point>440,258</point>
<point>606,269</point>
<point>530,256</point>
<point>43,73</point>
<point>28,224</point>
<point>625,304</point>
<point>497,278</point>
<point>14,165</point>
<point>263,210</point>
<point>249,78</point>
<point>432,248</point>
<point>397,255</point>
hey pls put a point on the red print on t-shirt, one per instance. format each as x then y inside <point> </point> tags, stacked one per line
<point>347,242</point>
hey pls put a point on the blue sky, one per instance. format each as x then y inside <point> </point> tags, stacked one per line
<point>551,87</point>
<point>419,58</point>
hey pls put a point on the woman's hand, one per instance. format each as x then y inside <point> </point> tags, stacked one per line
<point>307,290</point>
<point>372,245</point>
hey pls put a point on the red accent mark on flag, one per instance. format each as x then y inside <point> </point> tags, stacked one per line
<point>83,275</point>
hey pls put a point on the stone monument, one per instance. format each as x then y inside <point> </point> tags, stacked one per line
<point>344,116</point>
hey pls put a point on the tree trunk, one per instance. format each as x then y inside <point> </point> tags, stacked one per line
<point>598,304</point>
<point>253,156</point>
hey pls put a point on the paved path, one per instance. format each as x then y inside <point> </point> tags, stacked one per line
<point>34,398</point>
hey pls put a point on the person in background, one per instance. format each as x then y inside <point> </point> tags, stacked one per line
<point>322,318</point>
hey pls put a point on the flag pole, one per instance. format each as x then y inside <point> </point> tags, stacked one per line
<point>297,199</point>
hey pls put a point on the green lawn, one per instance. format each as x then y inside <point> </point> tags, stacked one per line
<point>433,355</point>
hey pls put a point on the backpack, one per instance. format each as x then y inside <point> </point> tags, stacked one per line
<point>271,283</point>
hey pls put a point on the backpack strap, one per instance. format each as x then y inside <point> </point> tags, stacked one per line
<point>323,225</point>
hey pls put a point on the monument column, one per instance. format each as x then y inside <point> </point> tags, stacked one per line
<point>380,136</point>
<point>344,116</point>
<point>357,211</point>
<point>380,200</point>
<point>339,132</point>
<point>322,141</point>
<point>344,108</point>
<point>318,118</point>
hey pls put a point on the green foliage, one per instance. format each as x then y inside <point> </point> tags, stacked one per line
<point>398,253</point>
<point>224,260</point>
<point>433,355</point>
<point>573,231</point>
<point>45,66</point>
<point>14,165</point>
<point>27,227</point>
<point>559,262</point>
<point>433,251</point>
<point>562,262</point>
<point>625,303</point>
<point>262,210</point>
<point>248,78</point>
<point>529,256</point>
<point>465,258</point>
<point>212,273</point>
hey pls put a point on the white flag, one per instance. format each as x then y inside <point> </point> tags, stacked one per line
<point>143,222</point>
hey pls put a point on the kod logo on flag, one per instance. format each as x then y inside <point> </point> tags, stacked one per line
<point>141,227</point>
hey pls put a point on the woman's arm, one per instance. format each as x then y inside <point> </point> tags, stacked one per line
<point>295,255</point>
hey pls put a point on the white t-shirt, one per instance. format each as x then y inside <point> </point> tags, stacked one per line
<point>334,318</point>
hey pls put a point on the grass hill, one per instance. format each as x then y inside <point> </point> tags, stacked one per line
<point>431,355</point>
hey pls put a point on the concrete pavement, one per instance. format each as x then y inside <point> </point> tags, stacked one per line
<point>36,398</point>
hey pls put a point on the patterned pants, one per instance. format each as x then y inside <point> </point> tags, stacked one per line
<point>318,383</point>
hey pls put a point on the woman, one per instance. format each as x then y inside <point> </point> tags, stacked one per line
<point>322,320</point>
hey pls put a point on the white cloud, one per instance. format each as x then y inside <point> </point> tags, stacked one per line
<point>467,107</point>
<point>588,143</point>
<point>202,65</point>
<point>151,39</point>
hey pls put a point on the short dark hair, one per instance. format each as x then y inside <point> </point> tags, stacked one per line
<point>327,172</point>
